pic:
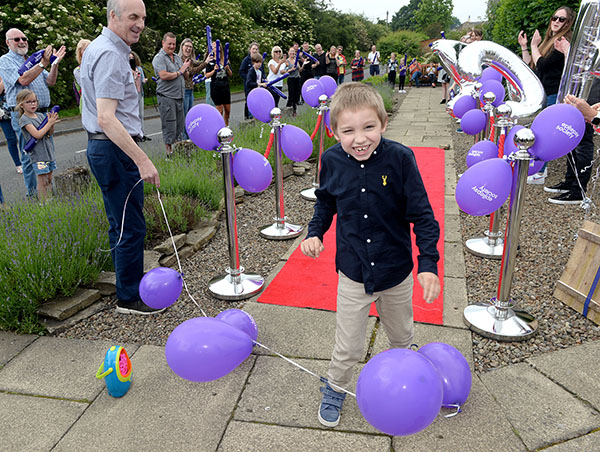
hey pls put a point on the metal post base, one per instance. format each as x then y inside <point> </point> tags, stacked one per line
<point>499,324</point>
<point>234,288</point>
<point>277,231</point>
<point>481,247</point>
<point>309,194</point>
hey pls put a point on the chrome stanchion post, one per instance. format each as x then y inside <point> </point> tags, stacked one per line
<point>280,230</point>
<point>476,92</point>
<point>492,244</point>
<point>234,284</point>
<point>499,320</point>
<point>309,193</point>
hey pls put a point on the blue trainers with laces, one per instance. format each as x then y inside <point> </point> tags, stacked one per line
<point>331,406</point>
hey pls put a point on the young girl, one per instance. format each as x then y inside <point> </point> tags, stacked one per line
<point>392,69</point>
<point>219,75</point>
<point>42,154</point>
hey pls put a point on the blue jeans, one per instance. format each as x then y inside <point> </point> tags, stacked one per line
<point>11,141</point>
<point>116,175</point>
<point>340,79</point>
<point>188,101</point>
<point>374,69</point>
<point>28,175</point>
<point>416,76</point>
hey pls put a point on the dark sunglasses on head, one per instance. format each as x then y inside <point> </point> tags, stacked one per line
<point>562,20</point>
<point>24,39</point>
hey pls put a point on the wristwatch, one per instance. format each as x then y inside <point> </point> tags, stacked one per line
<point>40,64</point>
<point>596,120</point>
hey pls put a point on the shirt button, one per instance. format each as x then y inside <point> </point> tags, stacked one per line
<point>372,264</point>
<point>366,216</point>
<point>363,190</point>
<point>362,165</point>
<point>368,240</point>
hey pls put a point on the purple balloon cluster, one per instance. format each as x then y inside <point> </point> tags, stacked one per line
<point>206,348</point>
<point>312,89</point>
<point>400,391</point>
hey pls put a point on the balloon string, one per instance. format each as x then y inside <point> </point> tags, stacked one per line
<point>452,405</point>
<point>122,219</point>
<point>328,132</point>
<point>314,134</point>
<point>268,151</point>
<point>323,379</point>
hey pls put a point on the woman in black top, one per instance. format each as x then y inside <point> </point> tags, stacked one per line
<point>331,63</point>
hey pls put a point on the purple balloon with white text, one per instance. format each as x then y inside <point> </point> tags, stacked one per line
<point>252,170</point>
<point>482,150</point>
<point>558,130</point>
<point>484,187</point>
<point>473,121</point>
<point>329,85</point>
<point>495,87</point>
<point>464,104</point>
<point>260,103</point>
<point>296,143</point>
<point>311,90</point>
<point>202,124</point>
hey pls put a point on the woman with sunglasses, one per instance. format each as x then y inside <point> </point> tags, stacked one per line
<point>277,68</point>
<point>547,58</point>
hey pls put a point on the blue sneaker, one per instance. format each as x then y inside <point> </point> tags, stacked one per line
<point>331,406</point>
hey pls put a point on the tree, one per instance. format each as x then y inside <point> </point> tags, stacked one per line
<point>404,19</point>
<point>434,16</point>
<point>402,42</point>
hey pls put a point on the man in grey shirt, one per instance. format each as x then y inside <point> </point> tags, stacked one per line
<point>170,86</point>
<point>110,114</point>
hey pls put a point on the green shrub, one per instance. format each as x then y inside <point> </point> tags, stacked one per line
<point>402,42</point>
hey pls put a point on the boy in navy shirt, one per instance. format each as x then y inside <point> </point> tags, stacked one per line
<point>374,186</point>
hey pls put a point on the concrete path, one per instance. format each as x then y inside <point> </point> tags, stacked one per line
<point>50,400</point>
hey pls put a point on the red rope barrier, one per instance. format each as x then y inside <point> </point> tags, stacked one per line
<point>492,129</point>
<point>314,134</point>
<point>328,132</point>
<point>501,145</point>
<point>271,138</point>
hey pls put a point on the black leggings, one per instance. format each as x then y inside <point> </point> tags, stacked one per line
<point>392,78</point>
<point>401,79</point>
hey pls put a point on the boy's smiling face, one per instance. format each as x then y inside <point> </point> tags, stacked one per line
<point>359,132</point>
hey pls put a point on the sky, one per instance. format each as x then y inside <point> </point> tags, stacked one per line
<point>376,9</point>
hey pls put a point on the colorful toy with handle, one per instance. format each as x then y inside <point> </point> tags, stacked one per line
<point>34,59</point>
<point>118,371</point>
<point>32,141</point>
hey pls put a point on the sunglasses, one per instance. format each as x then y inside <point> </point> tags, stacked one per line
<point>277,51</point>
<point>24,39</point>
<point>562,20</point>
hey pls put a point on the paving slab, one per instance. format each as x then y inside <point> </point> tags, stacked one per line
<point>577,369</point>
<point>541,412</point>
<point>455,302</point>
<point>35,423</point>
<point>450,205</point>
<point>279,393</point>
<point>250,437</point>
<point>425,333</point>
<point>12,344</point>
<point>161,411</point>
<point>481,427</point>
<point>58,367</point>
<point>586,443</point>
<point>454,260</point>
<point>452,229</point>
<point>297,332</point>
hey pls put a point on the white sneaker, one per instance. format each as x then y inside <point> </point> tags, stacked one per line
<point>536,179</point>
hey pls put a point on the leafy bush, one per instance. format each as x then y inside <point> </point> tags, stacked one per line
<point>402,42</point>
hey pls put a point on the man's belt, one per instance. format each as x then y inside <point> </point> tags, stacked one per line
<point>103,137</point>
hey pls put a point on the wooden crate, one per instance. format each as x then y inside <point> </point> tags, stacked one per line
<point>578,277</point>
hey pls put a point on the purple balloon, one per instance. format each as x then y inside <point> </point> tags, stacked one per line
<point>327,119</point>
<point>296,143</point>
<point>464,104</point>
<point>490,74</point>
<point>241,320</point>
<point>510,147</point>
<point>484,187</point>
<point>205,349</point>
<point>160,287</point>
<point>473,121</point>
<point>252,170</point>
<point>399,392</point>
<point>329,85</point>
<point>260,103</point>
<point>453,369</point>
<point>202,123</point>
<point>495,87</point>
<point>558,130</point>
<point>482,150</point>
<point>311,90</point>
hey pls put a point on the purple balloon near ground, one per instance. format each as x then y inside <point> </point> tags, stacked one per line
<point>558,130</point>
<point>260,103</point>
<point>399,392</point>
<point>241,320</point>
<point>495,87</point>
<point>484,187</point>
<point>453,369</point>
<point>473,122</point>
<point>311,90</point>
<point>205,349</point>
<point>329,85</point>
<point>490,74</point>
<point>464,104</point>
<point>482,150</point>
<point>252,170</point>
<point>160,287</point>
<point>202,124</point>
<point>296,143</point>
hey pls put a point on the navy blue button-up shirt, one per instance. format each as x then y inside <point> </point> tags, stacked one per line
<point>376,200</point>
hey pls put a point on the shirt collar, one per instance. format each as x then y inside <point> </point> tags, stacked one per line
<point>116,39</point>
<point>16,56</point>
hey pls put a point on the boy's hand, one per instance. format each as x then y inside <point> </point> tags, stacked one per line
<point>312,247</point>
<point>430,284</point>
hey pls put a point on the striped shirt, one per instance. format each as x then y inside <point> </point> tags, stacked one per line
<point>9,67</point>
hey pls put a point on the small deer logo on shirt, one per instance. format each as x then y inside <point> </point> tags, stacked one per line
<point>384,180</point>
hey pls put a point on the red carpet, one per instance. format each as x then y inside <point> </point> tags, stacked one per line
<point>312,283</point>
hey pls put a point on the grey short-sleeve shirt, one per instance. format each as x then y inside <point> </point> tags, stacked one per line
<point>168,88</point>
<point>106,74</point>
<point>43,151</point>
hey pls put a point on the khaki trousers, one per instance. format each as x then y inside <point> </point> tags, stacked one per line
<point>394,306</point>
